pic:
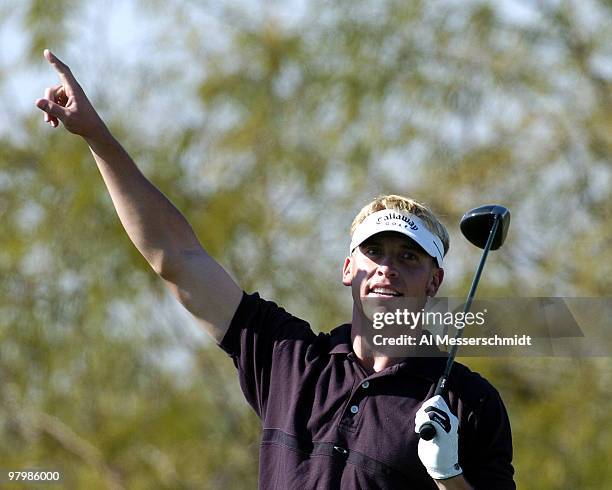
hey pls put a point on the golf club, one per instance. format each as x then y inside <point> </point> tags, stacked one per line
<point>486,227</point>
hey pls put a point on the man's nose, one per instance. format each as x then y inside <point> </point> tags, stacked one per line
<point>386,268</point>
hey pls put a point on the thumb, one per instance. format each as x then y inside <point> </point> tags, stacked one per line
<point>52,108</point>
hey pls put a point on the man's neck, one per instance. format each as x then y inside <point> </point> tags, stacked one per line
<point>372,362</point>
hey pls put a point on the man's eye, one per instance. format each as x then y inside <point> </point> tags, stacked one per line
<point>372,250</point>
<point>410,256</point>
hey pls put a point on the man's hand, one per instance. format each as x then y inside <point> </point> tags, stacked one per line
<point>68,103</point>
<point>440,455</point>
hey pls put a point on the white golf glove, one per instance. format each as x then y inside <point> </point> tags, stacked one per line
<point>440,456</point>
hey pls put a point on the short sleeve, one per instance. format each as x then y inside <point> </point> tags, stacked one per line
<point>253,341</point>
<point>490,453</point>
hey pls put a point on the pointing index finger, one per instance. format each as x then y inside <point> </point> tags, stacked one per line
<point>68,80</point>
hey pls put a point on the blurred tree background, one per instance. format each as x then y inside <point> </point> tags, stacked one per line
<point>269,125</point>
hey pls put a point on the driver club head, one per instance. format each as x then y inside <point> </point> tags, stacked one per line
<point>477,223</point>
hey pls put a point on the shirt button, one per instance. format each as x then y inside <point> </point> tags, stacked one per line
<point>341,450</point>
<point>365,385</point>
<point>354,409</point>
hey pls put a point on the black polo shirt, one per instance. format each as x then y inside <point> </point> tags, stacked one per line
<point>327,424</point>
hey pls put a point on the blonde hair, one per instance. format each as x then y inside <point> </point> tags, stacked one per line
<point>400,203</point>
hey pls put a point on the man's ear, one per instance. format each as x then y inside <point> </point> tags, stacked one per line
<point>437,276</point>
<point>347,272</point>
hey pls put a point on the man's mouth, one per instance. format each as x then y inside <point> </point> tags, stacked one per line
<point>384,292</point>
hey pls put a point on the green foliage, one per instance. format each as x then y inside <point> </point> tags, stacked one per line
<point>455,104</point>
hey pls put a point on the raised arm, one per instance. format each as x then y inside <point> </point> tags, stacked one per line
<point>158,230</point>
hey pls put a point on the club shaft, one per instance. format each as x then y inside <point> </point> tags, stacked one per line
<point>428,431</point>
<point>468,304</point>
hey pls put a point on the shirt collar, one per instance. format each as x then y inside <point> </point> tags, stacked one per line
<point>430,368</point>
<point>340,340</point>
<point>427,367</point>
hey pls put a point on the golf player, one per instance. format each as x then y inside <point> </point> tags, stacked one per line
<point>335,413</point>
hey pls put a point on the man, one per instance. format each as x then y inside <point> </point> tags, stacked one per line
<point>335,412</point>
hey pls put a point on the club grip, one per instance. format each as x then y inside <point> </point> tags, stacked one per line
<point>428,430</point>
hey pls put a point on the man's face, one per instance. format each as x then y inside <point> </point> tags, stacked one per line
<point>390,264</point>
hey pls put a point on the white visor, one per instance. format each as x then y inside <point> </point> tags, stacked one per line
<point>401,222</point>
